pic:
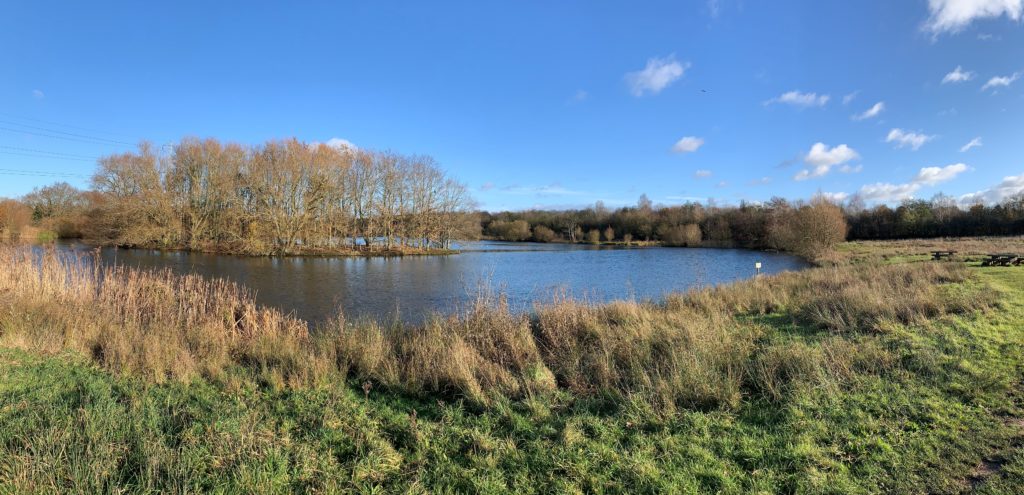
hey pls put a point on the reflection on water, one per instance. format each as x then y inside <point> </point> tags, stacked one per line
<point>411,287</point>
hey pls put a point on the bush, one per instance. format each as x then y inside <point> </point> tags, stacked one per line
<point>682,235</point>
<point>543,234</point>
<point>516,230</point>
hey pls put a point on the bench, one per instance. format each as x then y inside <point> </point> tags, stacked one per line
<point>1003,259</point>
<point>942,255</point>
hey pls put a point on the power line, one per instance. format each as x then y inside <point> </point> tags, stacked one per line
<point>33,150</point>
<point>18,117</point>
<point>38,173</point>
<point>72,134</point>
<point>52,136</point>
<point>37,155</point>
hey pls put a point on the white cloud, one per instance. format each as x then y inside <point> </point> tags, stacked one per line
<point>579,96</point>
<point>796,98</point>
<point>849,97</point>
<point>903,139</point>
<point>952,16</point>
<point>688,144</point>
<point>700,174</point>
<point>38,94</point>
<point>760,182</point>
<point>340,143</point>
<point>1010,186</point>
<point>927,176</point>
<point>973,144</point>
<point>722,184</point>
<point>872,112</point>
<point>851,169</point>
<point>885,192</point>
<point>487,186</point>
<point>336,142</point>
<point>822,159</point>
<point>958,75</point>
<point>656,76</point>
<point>930,176</point>
<point>832,197</point>
<point>1001,81</point>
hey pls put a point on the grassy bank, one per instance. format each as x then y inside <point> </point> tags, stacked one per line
<point>883,375</point>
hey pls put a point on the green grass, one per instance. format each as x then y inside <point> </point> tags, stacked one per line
<point>920,408</point>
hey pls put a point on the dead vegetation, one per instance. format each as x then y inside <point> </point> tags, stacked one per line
<point>705,348</point>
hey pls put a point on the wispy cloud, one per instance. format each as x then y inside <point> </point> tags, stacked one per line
<point>847,98</point>
<point>821,158</point>
<point>656,76</point>
<point>714,8</point>
<point>958,75</point>
<point>554,189</point>
<point>38,94</point>
<point>905,139</point>
<point>700,174</point>
<point>487,186</point>
<point>579,96</point>
<point>1001,81</point>
<point>952,16</point>
<point>688,144</point>
<point>798,99</point>
<point>872,112</point>
<point>927,176</point>
<point>760,182</point>
<point>976,142</point>
<point>1010,186</point>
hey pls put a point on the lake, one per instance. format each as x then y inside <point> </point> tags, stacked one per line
<point>412,287</point>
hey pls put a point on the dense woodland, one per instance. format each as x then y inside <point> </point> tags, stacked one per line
<point>288,196</point>
<point>805,228</point>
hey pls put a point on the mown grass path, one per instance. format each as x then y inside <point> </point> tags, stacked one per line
<point>1003,470</point>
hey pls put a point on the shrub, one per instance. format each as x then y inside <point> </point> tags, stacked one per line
<point>543,234</point>
<point>682,235</point>
<point>517,230</point>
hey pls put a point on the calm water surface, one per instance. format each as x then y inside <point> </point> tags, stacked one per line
<point>410,288</point>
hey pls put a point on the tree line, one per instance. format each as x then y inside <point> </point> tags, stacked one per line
<point>808,228</point>
<point>289,197</point>
<point>942,216</point>
<point>275,198</point>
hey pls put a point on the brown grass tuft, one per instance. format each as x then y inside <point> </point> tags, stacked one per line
<point>705,348</point>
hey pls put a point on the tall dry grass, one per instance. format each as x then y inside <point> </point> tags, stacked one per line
<point>153,324</point>
<point>705,348</point>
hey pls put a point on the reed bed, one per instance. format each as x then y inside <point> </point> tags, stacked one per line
<point>702,349</point>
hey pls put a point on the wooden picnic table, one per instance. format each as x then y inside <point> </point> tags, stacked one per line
<point>1003,259</point>
<point>943,255</point>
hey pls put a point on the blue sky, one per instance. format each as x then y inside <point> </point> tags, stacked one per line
<point>541,103</point>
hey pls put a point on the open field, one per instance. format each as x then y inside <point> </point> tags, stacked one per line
<point>883,375</point>
<point>967,248</point>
